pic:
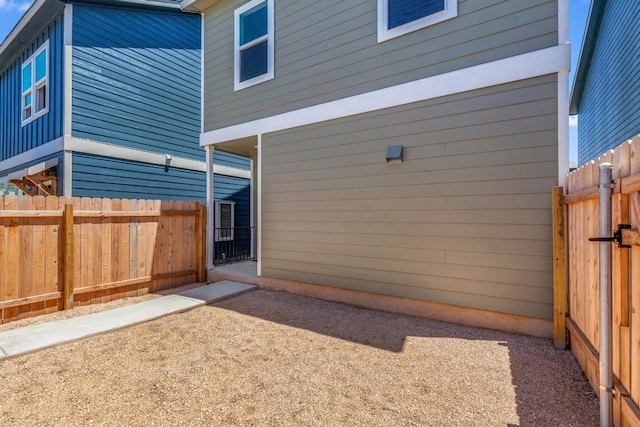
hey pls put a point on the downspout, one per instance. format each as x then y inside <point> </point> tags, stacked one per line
<point>605,186</point>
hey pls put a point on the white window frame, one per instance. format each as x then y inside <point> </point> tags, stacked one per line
<point>36,110</point>
<point>237,48</point>
<point>450,11</point>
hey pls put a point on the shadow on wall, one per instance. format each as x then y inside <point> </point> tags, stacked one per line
<point>550,389</point>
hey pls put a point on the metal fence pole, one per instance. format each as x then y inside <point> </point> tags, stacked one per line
<point>605,186</point>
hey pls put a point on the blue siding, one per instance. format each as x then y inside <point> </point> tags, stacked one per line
<point>609,112</point>
<point>99,176</point>
<point>14,138</point>
<point>231,160</point>
<point>237,190</point>
<point>136,79</point>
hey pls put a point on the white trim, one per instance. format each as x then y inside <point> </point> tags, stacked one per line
<point>67,177</point>
<point>68,68</point>
<point>563,126</point>
<point>450,11</point>
<point>202,47</point>
<point>88,146</point>
<point>252,208</point>
<point>34,154</point>
<point>520,67</point>
<point>231,171</point>
<point>269,37</point>
<point>563,96</point>
<point>563,21</point>
<point>34,85</point>
<point>210,203</point>
<point>259,203</point>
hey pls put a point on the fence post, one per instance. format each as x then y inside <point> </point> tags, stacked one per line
<point>67,259</point>
<point>202,243</point>
<point>605,185</point>
<point>559,270</point>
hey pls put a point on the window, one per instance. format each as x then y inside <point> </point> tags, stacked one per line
<point>35,85</point>
<point>253,51</point>
<point>398,17</point>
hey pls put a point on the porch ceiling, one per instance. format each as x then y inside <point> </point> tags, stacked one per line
<point>244,147</point>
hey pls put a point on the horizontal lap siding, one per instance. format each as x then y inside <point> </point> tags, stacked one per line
<point>136,79</point>
<point>610,106</point>
<point>328,50</point>
<point>231,160</point>
<point>15,138</point>
<point>465,220</point>
<point>98,176</point>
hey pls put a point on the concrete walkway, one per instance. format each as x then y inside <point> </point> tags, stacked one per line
<point>16,342</point>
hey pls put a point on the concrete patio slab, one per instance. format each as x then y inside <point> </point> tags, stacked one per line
<point>16,342</point>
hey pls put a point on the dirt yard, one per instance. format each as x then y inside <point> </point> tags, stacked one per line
<point>273,359</point>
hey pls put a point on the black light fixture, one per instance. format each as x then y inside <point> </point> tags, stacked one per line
<point>394,154</point>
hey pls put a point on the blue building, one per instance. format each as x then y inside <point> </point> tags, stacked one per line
<point>102,99</point>
<point>606,91</point>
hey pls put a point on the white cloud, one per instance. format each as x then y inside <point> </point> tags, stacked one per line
<point>13,5</point>
<point>573,120</point>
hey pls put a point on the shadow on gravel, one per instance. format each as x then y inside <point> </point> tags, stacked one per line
<point>550,388</point>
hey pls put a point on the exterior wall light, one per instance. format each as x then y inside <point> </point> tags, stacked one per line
<point>394,154</point>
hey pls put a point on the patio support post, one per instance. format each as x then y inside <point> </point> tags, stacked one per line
<point>210,208</point>
<point>605,186</point>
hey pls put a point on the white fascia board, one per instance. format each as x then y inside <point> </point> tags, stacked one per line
<point>529,65</point>
<point>79,145</point>
<point>34,154</point>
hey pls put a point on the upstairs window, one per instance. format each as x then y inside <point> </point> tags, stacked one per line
<point>253,52</point>
<point>35,85</point>
<point>398,17</point>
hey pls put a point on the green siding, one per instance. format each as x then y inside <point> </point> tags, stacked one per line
<point>465,220</point>
<point>327,50</point>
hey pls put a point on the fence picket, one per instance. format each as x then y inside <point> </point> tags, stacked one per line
<point>111,255</point>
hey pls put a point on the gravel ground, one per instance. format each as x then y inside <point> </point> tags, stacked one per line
<point>272,359</point>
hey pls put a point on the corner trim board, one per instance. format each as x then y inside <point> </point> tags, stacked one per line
<point>529,65</point>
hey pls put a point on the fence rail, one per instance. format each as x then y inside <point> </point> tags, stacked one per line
<point>56,252</point>
<point>583,299</point>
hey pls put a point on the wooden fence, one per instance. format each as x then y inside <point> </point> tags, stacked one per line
<point>582,293</point>
<point>56,252</point>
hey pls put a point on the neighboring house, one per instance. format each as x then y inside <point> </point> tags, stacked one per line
<point>320,94</point>
<point>606,90</point>
<point>104,96</point>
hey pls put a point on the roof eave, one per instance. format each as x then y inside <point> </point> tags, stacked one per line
<point>596,11</point>
<point>26,30</point>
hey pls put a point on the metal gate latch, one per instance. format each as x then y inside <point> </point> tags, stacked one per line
<point>617,236</point>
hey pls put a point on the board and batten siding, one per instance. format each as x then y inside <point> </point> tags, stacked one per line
<point>464,220</point>
<point>328,50</point>
<point>15,138</point>
<point>610,107</point>
<point>136,79</point>
<point>99,176</point>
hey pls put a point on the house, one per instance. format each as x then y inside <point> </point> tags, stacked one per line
<point>606,90</point>
<point>404,151</point>
<point>101,98</point>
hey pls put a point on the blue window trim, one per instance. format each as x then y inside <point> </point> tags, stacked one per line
<point>238,48</point>
<point>37,107</point>
<point>384,33</point>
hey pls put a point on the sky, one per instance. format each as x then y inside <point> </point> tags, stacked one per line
<point>12,10</point>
